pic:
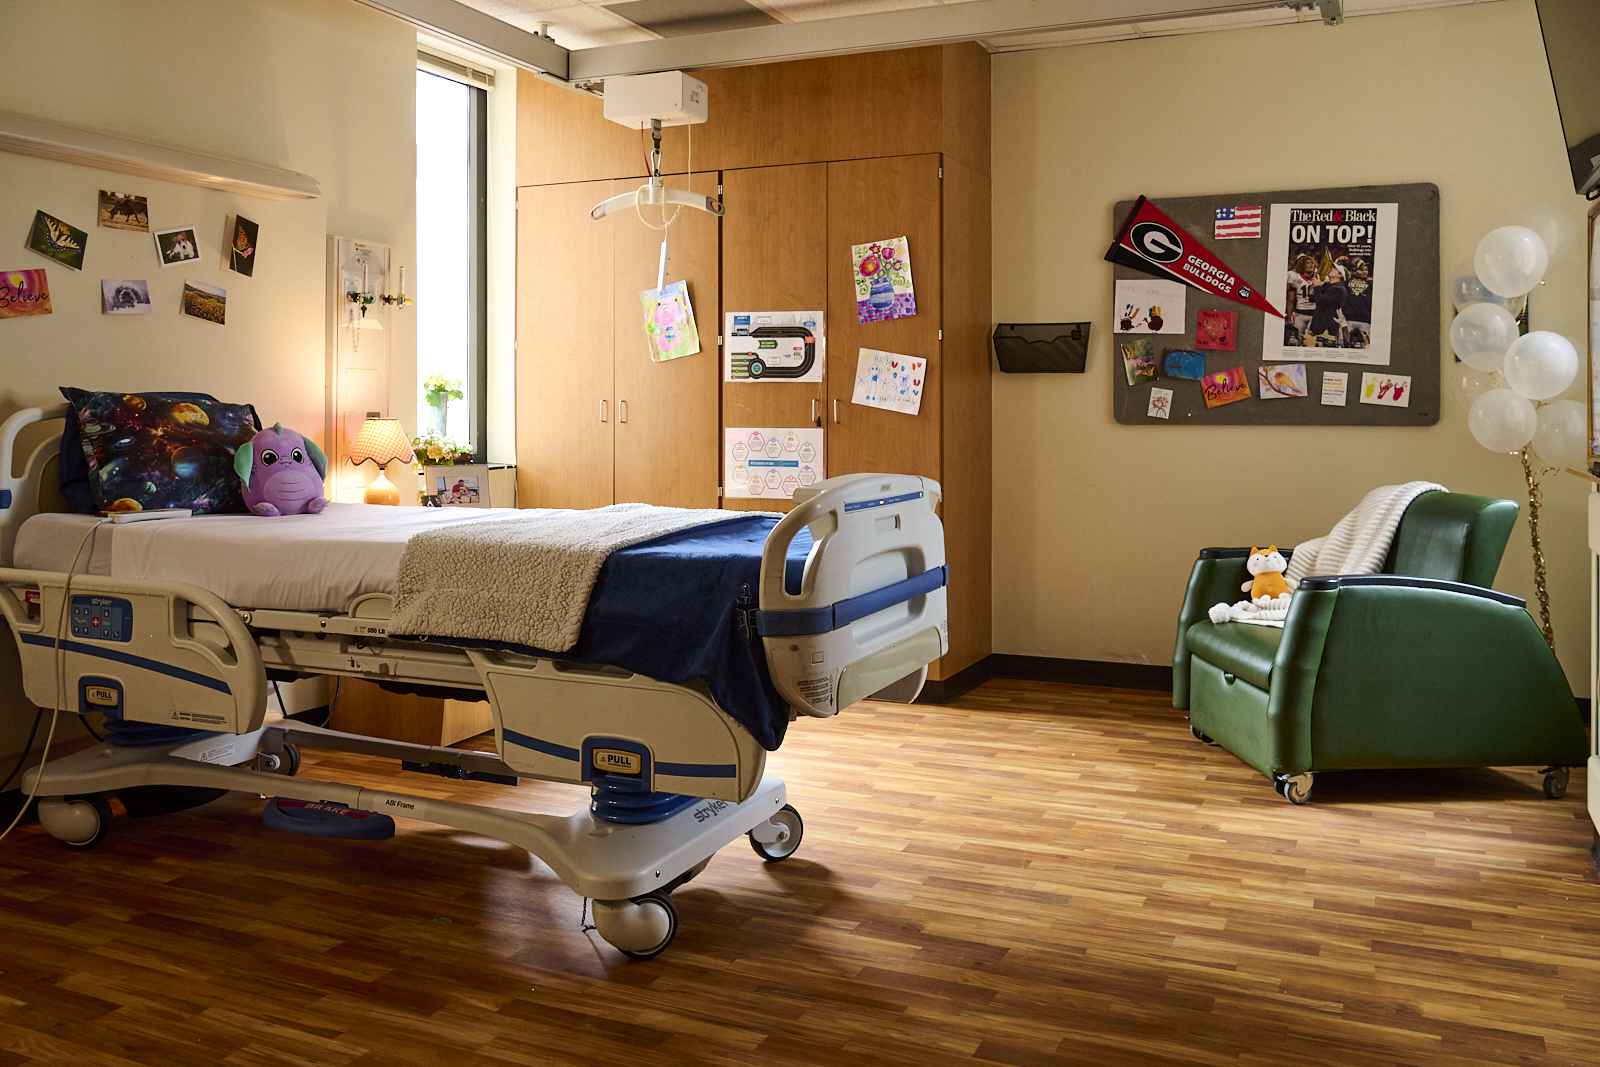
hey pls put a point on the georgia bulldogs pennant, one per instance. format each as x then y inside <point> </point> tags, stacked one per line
<point>1150,241</point>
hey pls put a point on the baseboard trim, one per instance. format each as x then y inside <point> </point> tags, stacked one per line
<point>1104,673</point>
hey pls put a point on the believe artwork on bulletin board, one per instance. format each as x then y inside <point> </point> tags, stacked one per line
<point>1355,272</point>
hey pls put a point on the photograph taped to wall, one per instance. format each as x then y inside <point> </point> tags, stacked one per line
<point>242,246</point>
<point>1278,380</point>
<point>177,246</point>
<point>58,240</point>
<point>1334,265</point>
<point>771,462</point>
<point>774,346</point>
<point>124,211</point>
<point>208,302</point>
<point>124,296</point>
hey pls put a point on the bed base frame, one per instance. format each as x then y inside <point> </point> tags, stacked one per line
<point>673,777</point>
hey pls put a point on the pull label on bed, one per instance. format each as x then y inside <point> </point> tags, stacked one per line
<point>616,761</point>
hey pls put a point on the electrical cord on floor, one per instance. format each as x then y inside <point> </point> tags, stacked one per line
<point>61,677</point>
<point>27,747</point>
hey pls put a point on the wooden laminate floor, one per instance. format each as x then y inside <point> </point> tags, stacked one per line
<point>1037,874</point>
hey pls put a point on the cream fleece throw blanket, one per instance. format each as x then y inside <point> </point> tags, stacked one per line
<point>1357,544</point>
<point>524,579</point>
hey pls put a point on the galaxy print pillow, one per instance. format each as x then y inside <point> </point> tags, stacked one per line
<point>145,451</point>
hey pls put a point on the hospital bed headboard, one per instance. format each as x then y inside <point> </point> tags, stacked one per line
<point>33,485</point>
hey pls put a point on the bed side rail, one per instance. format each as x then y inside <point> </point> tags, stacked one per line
<point>146,651</point>
<point>21,494</point>
<point>869,613</point>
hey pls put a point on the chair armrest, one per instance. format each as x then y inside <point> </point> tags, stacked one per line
<point>1389,670</point>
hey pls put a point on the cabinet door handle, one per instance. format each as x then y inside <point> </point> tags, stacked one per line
<point>603,412</point>
<point>622,411</point>
<point>835,409</point>
<point>816,420</point>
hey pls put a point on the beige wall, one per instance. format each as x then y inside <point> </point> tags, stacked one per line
<point>1101,521</point>
<point>324,87</point>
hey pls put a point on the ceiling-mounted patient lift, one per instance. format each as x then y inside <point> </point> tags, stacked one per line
<point>655,192</point>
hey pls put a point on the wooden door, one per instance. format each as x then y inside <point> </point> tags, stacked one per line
<point>774,249</point>
<point>667,437</point>
<point>565,407</point>
<point>869,200</point>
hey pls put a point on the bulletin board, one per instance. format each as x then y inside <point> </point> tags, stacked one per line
<point>1413,340</point>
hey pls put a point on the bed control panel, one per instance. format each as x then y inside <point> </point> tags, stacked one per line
<point>102,618</point>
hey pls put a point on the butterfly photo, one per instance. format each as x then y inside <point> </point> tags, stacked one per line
<point>56,240</point>
<point>242,246</point>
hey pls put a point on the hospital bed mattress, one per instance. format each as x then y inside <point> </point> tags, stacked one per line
<point>680,609</point>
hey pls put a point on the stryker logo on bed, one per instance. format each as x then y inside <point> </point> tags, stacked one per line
<point>709,810</point>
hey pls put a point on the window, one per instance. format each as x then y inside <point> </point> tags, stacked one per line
<point>452,320</point>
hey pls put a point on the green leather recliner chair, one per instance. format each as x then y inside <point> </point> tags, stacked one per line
<point>1422,665</point>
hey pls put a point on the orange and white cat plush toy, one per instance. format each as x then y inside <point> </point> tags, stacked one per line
<point>1267,582</point>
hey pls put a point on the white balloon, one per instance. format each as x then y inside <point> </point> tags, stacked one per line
<point>1511,260</point>
<point>1502,421</point>
<point>1541,365</point>
<point>1481,334</point>
<point>1470,381</point>
<point>1560,438</point>
<point>1467,289</point>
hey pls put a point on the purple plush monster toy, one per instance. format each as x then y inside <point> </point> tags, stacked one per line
<point>282,472</point>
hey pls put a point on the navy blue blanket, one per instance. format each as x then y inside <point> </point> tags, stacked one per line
<point>682,609</point>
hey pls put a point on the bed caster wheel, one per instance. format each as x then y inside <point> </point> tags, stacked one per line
<point>286,762</point>
<point>1555,781</point>
<point>1295,788</point>
<point>641,928</point>
<point>778,837</point>
<point>80,822</point>
<point>1200,735</point>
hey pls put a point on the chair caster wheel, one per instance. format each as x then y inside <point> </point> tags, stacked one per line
<point>1295,788</point>
<point>286,763</point>
<point>1555,781</point>
<point>641,928</point>
<point>778,837</point>
<point>1200,735</point>
<point>80,822</point>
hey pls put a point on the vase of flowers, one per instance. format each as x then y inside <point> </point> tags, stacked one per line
<point>438,391</point>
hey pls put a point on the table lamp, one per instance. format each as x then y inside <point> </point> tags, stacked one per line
<point>383,441</point>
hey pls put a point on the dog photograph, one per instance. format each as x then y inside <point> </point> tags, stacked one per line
<point>124,296</point>
<point>124,211</point>
<point>177,246</point>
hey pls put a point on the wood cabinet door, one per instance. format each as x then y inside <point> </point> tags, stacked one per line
<point>872,200</point>
<point>565,407</point>
<point>667,437</point>
<point>774,254</point>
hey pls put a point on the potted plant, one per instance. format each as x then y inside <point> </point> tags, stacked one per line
<point>438,391</point>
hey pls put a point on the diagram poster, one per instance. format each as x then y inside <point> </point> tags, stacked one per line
<point>774,346</point>
<point>884,289</point>
<point>1334,264</point>
<point>890,381</point>
<point>770,462</point>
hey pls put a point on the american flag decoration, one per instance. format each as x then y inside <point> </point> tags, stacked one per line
<point>1236,222</point>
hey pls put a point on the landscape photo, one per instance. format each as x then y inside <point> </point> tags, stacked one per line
<point>205,302</point>
<point>124,211</point>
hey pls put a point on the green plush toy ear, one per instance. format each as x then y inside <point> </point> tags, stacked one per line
<point>244,459</point>
<point>319,459</point>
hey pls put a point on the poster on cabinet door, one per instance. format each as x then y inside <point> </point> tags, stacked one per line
<point>1334,264</point>
<point>774,346</point>
<point>770,462</point>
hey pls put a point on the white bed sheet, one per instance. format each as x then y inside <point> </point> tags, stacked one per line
<point>292,562</point>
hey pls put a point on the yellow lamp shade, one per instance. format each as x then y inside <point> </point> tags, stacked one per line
<point>382,441</point>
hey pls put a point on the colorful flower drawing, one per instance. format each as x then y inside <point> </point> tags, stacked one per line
<point>884,289</point>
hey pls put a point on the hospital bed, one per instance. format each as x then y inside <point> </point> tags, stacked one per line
<point>179,658</point>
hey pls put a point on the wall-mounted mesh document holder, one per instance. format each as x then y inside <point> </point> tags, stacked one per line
<point>1042,347</point>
